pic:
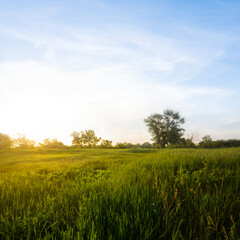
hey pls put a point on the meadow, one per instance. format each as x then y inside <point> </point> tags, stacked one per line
<point>120,194</point>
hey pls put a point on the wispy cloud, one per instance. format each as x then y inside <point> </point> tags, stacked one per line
<point>79,77</point>
<point>49,97</point>
<point>132,51</point>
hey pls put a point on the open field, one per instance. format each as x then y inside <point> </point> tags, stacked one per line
<point>120,194</point>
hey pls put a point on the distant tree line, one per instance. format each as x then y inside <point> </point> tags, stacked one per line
<point>88,139</point>
<point>219,143</point>
<point>166,130</point>
<point>84,139</point>
<point>187,143</point>
<point>22,142</point>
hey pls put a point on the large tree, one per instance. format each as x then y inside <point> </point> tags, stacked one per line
<point>165,128</point>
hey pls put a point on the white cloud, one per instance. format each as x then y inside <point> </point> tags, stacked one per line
<point>138,50</point>
<point>45,101</point>
<point>108,81</point>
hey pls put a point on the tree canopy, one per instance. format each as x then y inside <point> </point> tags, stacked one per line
<point>23,142</point>
<point>106,144</point>
<point>52,144</point>
<point>165,128</point>
<point>85,138</point>
<point>207,138</point>
<point>5,141</point>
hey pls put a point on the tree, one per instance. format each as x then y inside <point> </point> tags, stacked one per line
<point>185,143</point>
<point>124,145</point>
<point>193,136</point>
<point>207,138</point>
<point>5,141</point>
<point>77,139</point>
<point>87,138</point>
<point>106,144</point>
<point>23,142</point>
<point>146,145</point>
<point>52,144</point>
<point>165,128</point>
<point>207,142</point>
<point>90,138</point>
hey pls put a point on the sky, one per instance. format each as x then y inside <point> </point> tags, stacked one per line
<point>107,65</point>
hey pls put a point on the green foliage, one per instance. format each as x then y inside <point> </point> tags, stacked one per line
<point>124,145</point>
<point>220,143</point>
<point>207,138</point>
<point>23,142</point>
<point>85,139</point>
<point>146,145</point>
<point>183,143</point>
<point>106,144</point>
<point>77,139</point>
<point>120,194</point>
<point>5,141</point>
<point>165,128</point>
<point>52,144</point>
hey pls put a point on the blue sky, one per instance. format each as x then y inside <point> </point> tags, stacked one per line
<point>106,65</point>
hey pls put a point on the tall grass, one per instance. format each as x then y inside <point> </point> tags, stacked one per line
<point>120,194</point>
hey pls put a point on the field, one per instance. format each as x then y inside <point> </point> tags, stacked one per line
<point>120,194</point>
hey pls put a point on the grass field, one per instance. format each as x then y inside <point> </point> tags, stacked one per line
<point>120,194</point>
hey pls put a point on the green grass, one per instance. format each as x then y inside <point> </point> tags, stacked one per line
<point>120,194</point>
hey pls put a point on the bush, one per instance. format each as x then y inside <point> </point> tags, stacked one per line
<point>52,144</point>
<point>220,143</point>
<point>5,141</point>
